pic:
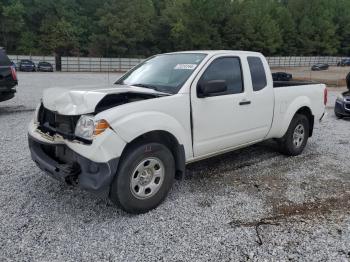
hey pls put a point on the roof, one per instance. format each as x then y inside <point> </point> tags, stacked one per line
<point>217,52</point>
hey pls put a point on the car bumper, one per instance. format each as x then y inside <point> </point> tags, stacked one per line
<point>26,69</point>
<point>88,175</point>
<point>342,108</point>
<point>7,93</point>
<point>45,69</point>
<point>91,167</point>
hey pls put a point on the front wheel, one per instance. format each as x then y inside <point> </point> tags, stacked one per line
<point>145,176</point>
<point>295,140</point>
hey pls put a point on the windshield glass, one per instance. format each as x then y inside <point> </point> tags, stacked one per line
<point>165,73</point>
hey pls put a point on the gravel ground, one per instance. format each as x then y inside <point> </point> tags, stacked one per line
<point>250,205</point>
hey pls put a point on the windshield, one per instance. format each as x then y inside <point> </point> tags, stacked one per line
<point>165,73</point>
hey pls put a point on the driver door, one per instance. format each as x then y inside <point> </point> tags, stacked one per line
<point>219,120</point>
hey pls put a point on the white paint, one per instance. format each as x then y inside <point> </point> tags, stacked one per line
<point>219,123</point>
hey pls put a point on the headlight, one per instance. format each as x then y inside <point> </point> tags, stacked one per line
<point>87,127</point>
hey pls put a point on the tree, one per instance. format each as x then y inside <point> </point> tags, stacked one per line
<point>288,31</point>
<point>60,37</point>
<point>11,23</point>
<point>146,27</point>
<point>125,28</point>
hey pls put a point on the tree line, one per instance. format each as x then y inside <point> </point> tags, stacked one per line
<point>139,28</point>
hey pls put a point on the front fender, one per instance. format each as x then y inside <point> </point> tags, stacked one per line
<point>134,125</point>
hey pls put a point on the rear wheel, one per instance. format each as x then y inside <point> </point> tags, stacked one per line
<point>295,140</point>
<point>144,177</point>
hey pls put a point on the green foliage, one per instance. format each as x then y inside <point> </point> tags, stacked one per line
<point>11,23</point>
<point>146,27</point>
<point>125,28</point>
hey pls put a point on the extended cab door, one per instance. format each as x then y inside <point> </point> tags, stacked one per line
<point>229,119</point>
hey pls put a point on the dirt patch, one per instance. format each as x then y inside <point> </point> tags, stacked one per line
<point>334,76</point>
<point>312,208</point>
<point>306,210</point>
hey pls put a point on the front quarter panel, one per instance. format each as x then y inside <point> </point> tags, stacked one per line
<point>170,114</point>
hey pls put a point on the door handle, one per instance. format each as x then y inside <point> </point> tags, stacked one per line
<point>244,103</point>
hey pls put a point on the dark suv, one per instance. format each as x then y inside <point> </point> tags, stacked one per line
<point>344,62</point>
<point>8,77</point>
<point>26,65</point>
<point>342,104</point>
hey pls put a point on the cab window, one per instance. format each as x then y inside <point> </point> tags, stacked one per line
<point>257,72</point>
<point>228,69</point>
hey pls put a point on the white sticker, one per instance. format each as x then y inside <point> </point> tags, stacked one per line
<point>185,66</point>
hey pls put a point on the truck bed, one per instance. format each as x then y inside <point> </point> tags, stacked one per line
<point>277,84</point>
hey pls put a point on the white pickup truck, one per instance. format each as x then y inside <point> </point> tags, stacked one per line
<point>131,140</point>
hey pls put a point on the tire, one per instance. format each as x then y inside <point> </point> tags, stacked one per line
<point>295,140</point>
<point>144,166</point>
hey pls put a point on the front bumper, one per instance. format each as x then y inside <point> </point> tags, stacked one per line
<point>42,69</point>
<point>6,93</point>
<point>62,163</point>
<point>27,69</point>
<point>342,108</point>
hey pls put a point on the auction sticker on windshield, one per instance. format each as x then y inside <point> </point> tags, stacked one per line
<point>185,66</point>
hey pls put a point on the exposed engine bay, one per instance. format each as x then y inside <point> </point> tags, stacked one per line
<point>113,100</point>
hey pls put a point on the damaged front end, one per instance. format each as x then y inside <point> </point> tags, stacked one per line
<point>63,164</point>
<point>51,123</point>
<point>54,133</point>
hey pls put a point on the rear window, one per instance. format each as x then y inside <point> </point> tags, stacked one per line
<point>4,60</point>
<point>26,62</point>
<point>257,72</point>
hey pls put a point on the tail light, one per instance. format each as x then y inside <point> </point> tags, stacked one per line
<point>13,73</point>
<point>325,96</point>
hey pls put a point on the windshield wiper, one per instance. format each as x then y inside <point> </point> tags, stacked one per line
<point>150,87</point>
<point>145,86</point>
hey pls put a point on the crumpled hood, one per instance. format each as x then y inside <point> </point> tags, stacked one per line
<point>84,99</point>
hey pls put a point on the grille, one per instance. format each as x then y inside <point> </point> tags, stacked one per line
<point>54,123</point>
<point>347,106</point>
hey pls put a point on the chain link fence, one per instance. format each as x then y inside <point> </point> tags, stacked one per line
<point>99,64</point>
<point>298,61</point>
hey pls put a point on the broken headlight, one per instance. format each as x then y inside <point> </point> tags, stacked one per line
<point>87,127</point>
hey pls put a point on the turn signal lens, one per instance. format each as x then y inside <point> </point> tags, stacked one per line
<point>87,127</point>
<point>13,73</point>
<point>100,127</point>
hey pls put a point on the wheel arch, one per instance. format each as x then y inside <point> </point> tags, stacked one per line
<point>306,111</point>
<point>167,139</point>
<point>286,112</point>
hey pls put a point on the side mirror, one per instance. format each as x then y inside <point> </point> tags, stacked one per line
<point>212,87</point>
